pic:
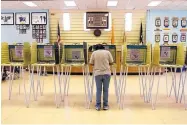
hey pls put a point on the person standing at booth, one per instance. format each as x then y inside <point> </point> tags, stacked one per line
<point>101,59</point>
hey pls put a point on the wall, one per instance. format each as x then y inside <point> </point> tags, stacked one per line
<point>152,14</point>
<point>77,33</point>
<point>11,35</point>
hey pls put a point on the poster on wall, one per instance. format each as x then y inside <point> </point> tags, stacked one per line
<point>183,22</point>
<point>157,22</point>
<point>157,37</point>
<point>23,18</point>
<point>39,18</point>
<point>166,38</point>
<point>174,37</point>
<point>175,22</point>
<point>166,22</point>
<point>7,18</point>
<point>183,37</point>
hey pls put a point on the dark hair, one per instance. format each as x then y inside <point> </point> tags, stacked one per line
<point>99,46</point>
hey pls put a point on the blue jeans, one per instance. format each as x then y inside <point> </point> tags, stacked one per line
<point>102,80</point>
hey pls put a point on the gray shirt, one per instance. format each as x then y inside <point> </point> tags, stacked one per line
<point>101,59</point>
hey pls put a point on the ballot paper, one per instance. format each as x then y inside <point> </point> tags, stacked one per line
<point>19,51</point>
<point>48,52</point>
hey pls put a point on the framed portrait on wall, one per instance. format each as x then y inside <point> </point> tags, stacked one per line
<point>166,22</point>
<point>183,37</point>
<point>157,22</point>
<point>157,38</point>
<point>174,38</point>
<point>183,22</point>
<point>166,38</point>
<point>175,22</point>
<point>38,18</point>
<point>7,18</point>
<point>22,18</point>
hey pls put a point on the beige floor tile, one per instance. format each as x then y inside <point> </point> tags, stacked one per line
<point>73,111</point>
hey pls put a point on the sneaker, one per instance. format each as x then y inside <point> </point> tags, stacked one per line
<point>97,108</point>
<point>105,107</point>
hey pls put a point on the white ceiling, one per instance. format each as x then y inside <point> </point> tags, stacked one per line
<point>97,5</point>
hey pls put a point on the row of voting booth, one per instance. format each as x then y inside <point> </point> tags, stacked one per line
<point>149,59</point>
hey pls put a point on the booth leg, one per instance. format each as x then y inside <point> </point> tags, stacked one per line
<point>153,104</point>
<point>56,100</point>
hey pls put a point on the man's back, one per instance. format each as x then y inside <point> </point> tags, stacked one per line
<point>101,60</point>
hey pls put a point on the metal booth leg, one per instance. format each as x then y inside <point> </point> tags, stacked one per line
<point>56,99</point>
<point>116,84</point>
<point>11,82</point>
<point>154,103</point>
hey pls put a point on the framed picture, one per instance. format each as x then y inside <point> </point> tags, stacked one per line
<point>39,18</point>
<point>157,38</point>
<point>7,18</point>
<point>183,38</point>
<point>23,18</point>
<point>157,22</point>
<point>166,38</point>
<point>175,22</point>
<point>174,38</point>
<point>183,22</point>
<point>166,22</point>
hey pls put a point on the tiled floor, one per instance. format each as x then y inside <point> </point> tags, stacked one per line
<point>135,111</point>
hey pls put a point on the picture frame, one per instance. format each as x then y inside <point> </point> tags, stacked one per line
<point>183,22</point>
<point>157,38</point>
<point>175,22</point>
<point>166,38</point>
<point>7,18</point>
<point>174,38</point>
<point>22,18</point>
<point>157,22</point>
<point>183,38</point>
<point>39,18</point>
<point>166,22</point>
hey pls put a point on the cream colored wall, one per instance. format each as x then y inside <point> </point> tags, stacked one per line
<point>77,33</point>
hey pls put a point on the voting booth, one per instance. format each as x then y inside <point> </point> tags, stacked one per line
<point>44,55</point>
<point>169,57</point>
<point>133,56</point>
<point>15,57</point>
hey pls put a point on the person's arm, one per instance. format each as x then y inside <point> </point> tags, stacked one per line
<point>92,59</point>
<point>111,60</point>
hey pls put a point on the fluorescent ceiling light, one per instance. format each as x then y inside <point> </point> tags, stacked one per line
<point>154,3</point>
<point>112,3</point>
<point>70,3</point>
<point>30,4</point>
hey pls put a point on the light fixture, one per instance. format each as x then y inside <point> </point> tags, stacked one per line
<point>66,21</point>
<point>70,3</point>
<point>30,4</point>
<point>154,3</point>
<point>128,21</point>
<point>112,3</point>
